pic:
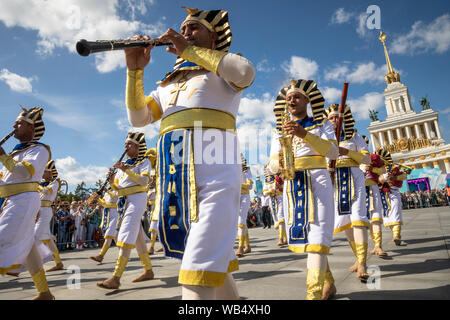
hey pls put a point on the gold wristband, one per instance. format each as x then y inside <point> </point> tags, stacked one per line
<point>8,162</point>
<point>204,57</point>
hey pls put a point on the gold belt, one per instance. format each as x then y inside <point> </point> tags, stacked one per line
<point>370,182</point>
<point>346,162</point>
<point>10,190</point>
<point>208,118</point>
<point>110,205</point>
<point>46,203</point>
<point>131,190</point>
<point>244,189</point>
<point>310,162</point>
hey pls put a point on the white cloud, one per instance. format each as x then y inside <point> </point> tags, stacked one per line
<point>360,106</point>
<point>252,107</point>
<point>60,24</point>
<point>16,82</point>
<point>361,29</point>
<point>263,66</point>
<point>341,16</point>
<point>423,38</point>
<point>300,68</point>
<point>150,131</point>
<point>361,73</point>
<point>331,95</point>
<point>74,173</point>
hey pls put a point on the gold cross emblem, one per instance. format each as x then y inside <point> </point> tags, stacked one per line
<point>180,86</point>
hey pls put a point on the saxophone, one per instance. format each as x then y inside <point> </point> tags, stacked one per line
<point>287,155</point>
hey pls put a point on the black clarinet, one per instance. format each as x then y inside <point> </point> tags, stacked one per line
<point>7,137</point>
<point>84,47</point>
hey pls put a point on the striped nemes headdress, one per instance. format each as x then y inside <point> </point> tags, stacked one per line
<point>139,139</point>
<point>214,21</point>
<point>34,116</point>
<point>349,122</point>
<point>244,163</point>
<point>151,155</point>
<point>52,167</point>
<point>385,155</point>
<point>366,139</point>
<point>309,89</point>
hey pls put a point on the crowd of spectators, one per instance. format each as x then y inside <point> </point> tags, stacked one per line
<point>426,199</point>
<point>76,226</point>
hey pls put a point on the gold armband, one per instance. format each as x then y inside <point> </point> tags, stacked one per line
<point>133,175</point>
<point>357,156</point>
<point>204,57</point>
<point>322,146</point>
<point>115,185</point>
<point>135,97</point>
<point>8,162</point>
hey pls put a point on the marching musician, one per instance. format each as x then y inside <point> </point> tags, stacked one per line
<point>374,207</point>
<point>109,221</point>
<point>48,191</point>
<point>308,198</point>
<point>273,188</point>
<point>203,89</point>
<point>131,186</point>
<point>350,190</point>
<point>246,186</point>
<point>20,201</point>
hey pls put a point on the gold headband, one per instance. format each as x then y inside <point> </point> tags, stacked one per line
<point>295,89</point>
<point>202,21</point>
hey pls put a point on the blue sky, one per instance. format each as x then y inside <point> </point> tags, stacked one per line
<point>327,41</point>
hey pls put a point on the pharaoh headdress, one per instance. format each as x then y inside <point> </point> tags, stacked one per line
<point>309,89</point>
<point>385,156</point>
<point>34,116</point>
<point>244,163</point>
<point>348,123</point>
<point>52,167</point>
<point>139,139</point>
<point>366,139</point>
<point>214,21</point>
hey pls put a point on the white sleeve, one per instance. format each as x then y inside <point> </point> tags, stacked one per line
<point>275,148</point>
<point>237,70</point>
<point>361,145</point>
<point>327,132</point>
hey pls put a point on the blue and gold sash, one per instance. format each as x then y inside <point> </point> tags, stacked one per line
<point>386,203</point>
<point>344,190</point>
<point>273,205</point>
<point>300,207</point>
<point>121,206</point>
<point>369,201</point>
<point>105,220</point>
<point>176,195</point>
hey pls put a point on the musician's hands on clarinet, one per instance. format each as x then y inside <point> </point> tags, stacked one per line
<point>120,165</point>
<point>295,129</point>
<point>179,41</point>
<point>138,58</point>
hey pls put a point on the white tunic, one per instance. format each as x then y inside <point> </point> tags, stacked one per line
<point>245,200</point>
<point>358,216</point>
<point>111,230</point>
<point>42,227</point>
<point>18,215</point>
<point>320,233</point>
<point>135,207</point>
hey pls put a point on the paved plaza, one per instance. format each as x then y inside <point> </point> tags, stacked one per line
<point>418,269</point>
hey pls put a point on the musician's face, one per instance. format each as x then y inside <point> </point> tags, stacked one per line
<point>132,149</point>
<point>23,130</point>
<point>333,118</point>
<point>198,35</point>
<point>47,175</point>
<point>297,103</point>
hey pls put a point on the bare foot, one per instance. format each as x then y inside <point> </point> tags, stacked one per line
<point>59,266</point>
<point>362,273</point>
<point>111,283</point>
<point>151,251</point>
<point>247,250</point>
<point>98,258</point>
<point>354,267</point>
<point>239,253</point>
<point>328,292</point>
<point>379,252</point>
<point>146,275</point>
<point>44,296</point>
